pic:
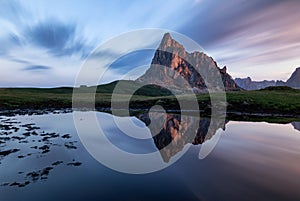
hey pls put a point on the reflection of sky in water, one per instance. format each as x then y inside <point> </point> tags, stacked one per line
<point>251,161</point>
<point>123,141</point>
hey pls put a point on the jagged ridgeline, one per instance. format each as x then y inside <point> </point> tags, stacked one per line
<point>173,55</point>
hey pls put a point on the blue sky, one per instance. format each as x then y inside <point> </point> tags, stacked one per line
<point>44,42</point>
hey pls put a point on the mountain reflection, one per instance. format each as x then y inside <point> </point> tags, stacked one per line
<point>171,132</point>
<point>296,125</point>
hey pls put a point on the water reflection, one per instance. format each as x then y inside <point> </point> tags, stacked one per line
<point>296,125</point>
<point>257,159</point>
<point>179,130</point>
<point>21,138</point>
<point>22,141</point>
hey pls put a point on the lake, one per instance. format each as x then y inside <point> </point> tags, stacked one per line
<point>43,158</point>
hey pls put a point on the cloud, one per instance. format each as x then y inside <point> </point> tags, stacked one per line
<point>133,59</point>
<point>22,28</point>
<point>216,21</point>
<point>58,38</point>
<point>13,11</point>
<point>255,35</point>
<point>8,42</point>
<point>36,68</point>
<point>17,60</point>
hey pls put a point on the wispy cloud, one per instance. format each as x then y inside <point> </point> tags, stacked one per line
<point>59,38</point>
<point>36,68</point>
<point>258,38</point>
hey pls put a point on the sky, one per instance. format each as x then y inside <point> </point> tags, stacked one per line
<point>44,43</point>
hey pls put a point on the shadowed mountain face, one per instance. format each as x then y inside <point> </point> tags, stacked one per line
<point>294,80</point>
<point>296,125</point>
<point>173,67</point>
<point>179,130</point>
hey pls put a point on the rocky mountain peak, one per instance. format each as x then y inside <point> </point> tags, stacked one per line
<point>168,42</point>
<point>173,66</point>
<point>223,70</point>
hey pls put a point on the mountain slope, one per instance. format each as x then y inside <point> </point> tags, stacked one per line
<point>294,80</point>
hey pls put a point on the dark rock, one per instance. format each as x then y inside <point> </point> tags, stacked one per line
<point>70,145</point>
<point>14,184</point>
<point>24,184</point>
<point>66,136</point>
<point>75,163</point>
<point>47,136</point>
<point>33,175</point>
<point>21,156</point>
<point>17,138</point>
<point>30,127</point>
<point>57,163</point>
<point>46,171</point>
<point>27,134</point>
<point>45,149</point>
<point>4,184</point>
<point>5,127</point>
<point>7,152</point>
<point>34,133</point>
<point>5,138</point>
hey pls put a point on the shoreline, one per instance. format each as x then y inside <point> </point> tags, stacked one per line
<point>235,116</point>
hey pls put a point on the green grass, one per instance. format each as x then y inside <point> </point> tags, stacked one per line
<point>275,101</point>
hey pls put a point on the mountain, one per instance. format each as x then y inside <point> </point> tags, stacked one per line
<point>248,84</point>
<point>173,67</point>
<point>296,125</point>
<point>294,80</point>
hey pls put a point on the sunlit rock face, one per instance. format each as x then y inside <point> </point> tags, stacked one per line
<point>181,69</point>
<point>178,130</point>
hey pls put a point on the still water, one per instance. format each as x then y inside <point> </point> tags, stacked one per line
<point>42,158</point>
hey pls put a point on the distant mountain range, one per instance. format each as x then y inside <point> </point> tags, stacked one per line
<point>183,69</point>
<point>248,84</point>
